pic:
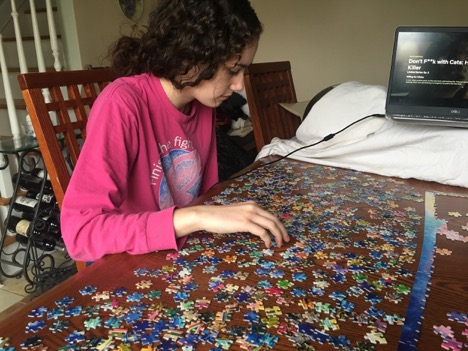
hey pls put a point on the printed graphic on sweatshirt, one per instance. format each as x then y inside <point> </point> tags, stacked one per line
<point>181,178</point>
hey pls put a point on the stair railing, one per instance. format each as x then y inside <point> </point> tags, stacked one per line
<point>53,36</point>
<point>14,124</point>
<point>37,37</point>
<point>19,39</point>
<point>6,186</point>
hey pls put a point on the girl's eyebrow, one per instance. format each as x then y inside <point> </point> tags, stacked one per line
<point>238,64</point>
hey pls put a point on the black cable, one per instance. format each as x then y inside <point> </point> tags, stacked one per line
<point>326,138</point>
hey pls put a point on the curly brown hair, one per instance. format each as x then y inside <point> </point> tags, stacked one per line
<point>188,36</point>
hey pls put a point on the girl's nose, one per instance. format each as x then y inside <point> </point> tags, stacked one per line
<point>237,83</point>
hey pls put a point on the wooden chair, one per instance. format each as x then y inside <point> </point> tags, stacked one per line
<point>266,85</point>
<point>59,121</point>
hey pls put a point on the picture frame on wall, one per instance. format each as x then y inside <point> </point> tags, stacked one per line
<point>132,9</point>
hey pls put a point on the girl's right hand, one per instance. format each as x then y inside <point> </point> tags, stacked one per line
<point>222,219</point>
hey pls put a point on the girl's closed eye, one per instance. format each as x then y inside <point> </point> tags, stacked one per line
<point>235,71</point>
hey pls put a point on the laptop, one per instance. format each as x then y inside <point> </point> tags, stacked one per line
<point>429,76</point>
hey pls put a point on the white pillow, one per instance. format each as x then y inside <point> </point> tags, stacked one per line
<point>341,106</point>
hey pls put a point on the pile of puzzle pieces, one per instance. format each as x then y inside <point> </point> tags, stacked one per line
<point>340,284</point>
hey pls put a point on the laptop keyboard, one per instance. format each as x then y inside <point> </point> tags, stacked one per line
<point>441,118</point>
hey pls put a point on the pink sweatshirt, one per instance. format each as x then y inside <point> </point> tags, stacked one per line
<point>142,158</point>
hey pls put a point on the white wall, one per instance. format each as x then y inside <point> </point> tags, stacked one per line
<point>91,26</point>
<point>327,41</point>
<point>332,41</point>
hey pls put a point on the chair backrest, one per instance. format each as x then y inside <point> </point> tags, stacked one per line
<point>58,104</point>
<point>266,85</point>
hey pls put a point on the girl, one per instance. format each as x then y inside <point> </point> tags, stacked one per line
<point>151,148</point>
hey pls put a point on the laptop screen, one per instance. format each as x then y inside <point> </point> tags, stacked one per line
<point>429,75</point>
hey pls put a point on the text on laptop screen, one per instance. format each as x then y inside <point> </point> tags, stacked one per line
<point>429,73</point>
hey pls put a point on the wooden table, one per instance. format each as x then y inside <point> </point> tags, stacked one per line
<point>355,276</point>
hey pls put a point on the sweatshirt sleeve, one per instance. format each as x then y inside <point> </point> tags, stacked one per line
<point>92,220</point>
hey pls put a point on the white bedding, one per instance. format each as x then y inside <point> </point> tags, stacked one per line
<point>376,145</point>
